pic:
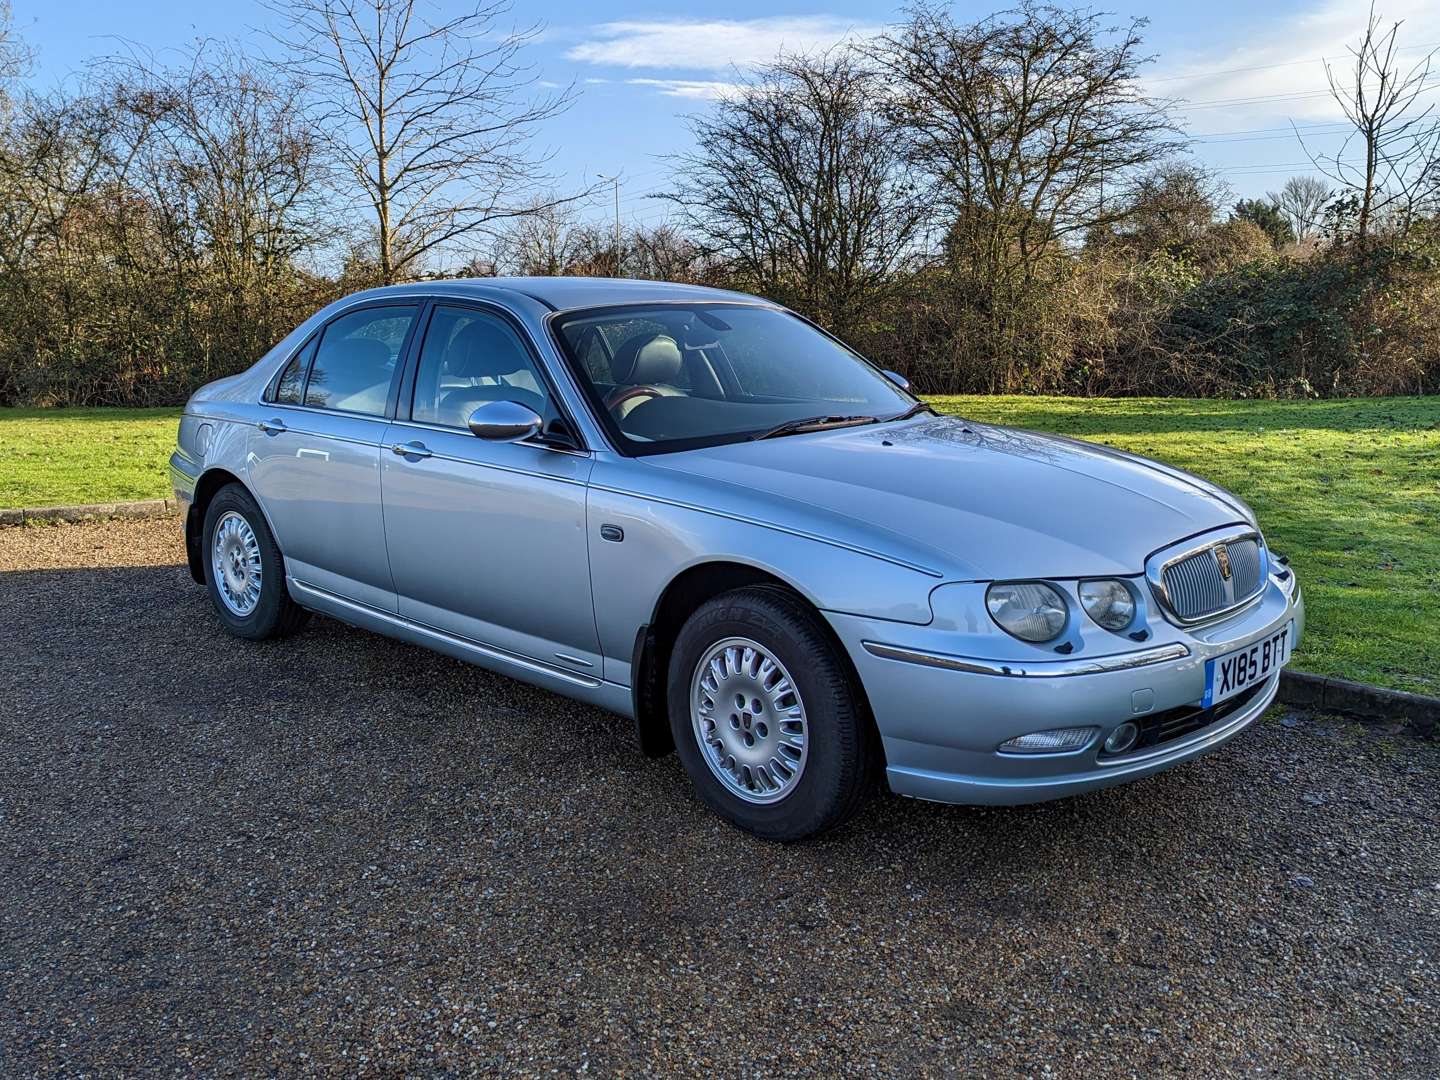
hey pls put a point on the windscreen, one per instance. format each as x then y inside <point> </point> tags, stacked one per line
<point>673,376</point>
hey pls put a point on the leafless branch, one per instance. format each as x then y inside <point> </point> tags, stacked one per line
<point>429,122</point>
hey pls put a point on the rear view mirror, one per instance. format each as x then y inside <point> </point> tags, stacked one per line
<point>504,421</point>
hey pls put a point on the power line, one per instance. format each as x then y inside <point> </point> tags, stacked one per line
<point>1260,131</point>
<point>1335,129</point>
<point>1265,98</point>
<point>1198,76</point>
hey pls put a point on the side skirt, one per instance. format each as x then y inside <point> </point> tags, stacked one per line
<point>593,691</point>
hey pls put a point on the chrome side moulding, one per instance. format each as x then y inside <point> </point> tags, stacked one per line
<point>1045,669</point>
<point>481,652</point>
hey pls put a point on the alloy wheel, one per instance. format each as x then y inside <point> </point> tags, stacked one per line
<point>749,720</point>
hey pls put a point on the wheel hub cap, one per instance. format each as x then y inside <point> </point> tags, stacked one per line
<point>235,558</point>
<point>749,721</point>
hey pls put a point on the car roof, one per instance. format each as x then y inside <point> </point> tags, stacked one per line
<point>562,293</point>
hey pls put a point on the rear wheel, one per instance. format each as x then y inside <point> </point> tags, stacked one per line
<point>244,570</point>
<point>765,717</point>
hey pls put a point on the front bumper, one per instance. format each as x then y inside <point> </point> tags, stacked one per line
<point>941,725</point>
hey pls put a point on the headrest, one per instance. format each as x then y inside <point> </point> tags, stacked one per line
<point>484,350</point>
<point>646,359</point>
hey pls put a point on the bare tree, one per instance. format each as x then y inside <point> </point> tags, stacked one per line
<point>800,185</point>
<point>546,241</point>
<point>430,120</point>
<point>1030,124</point>
<point>1400,140</point>
<point>14,57</point>
<point>1169,208</point>
<point>664,253</point>
<point>1302,200</point>
<point>229,169</point>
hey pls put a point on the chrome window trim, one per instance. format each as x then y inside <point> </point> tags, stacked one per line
<point>1049,669</point>
<point>566,395</point>
<point>424,426</point>
<point>1166,557</point>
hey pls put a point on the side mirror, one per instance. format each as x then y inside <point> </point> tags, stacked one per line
<point>504,421</point>
<point>898,379</point>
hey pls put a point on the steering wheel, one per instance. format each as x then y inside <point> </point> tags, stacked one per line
<point>621,395</point>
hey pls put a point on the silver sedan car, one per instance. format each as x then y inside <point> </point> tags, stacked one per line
<point>701,511</point>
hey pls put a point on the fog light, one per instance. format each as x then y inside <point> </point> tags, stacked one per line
<point>1058,741</point>
<point>1122,738</point>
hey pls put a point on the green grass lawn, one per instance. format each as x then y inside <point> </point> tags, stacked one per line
<point>62,457</point>
<point>1349,490</point>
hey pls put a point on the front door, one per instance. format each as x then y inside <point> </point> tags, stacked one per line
<point>314,462</point>
<point>487,540</point>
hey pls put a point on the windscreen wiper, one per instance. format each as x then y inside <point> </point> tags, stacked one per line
<point>914,410</point>
<point>813,423</point>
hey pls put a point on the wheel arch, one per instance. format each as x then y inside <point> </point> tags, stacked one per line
<point>206,488</point>
<point>682,595</point>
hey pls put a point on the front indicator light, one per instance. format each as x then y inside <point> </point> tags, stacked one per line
<point>1109,602</point>
<point>1056,741</point>
<point>1029,610</point>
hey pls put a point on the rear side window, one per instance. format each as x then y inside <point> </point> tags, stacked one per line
<point>356,360</point>
<point>291,386</point>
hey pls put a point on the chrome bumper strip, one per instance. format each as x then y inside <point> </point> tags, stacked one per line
<point>1045,669</point>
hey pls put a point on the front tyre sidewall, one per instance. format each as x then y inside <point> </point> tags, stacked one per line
<point>838,755</point>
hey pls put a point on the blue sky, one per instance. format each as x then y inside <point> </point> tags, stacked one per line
<point>1245,71</point>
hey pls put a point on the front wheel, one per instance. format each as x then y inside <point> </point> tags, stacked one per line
<point>244,570</point>
<point>765,717</point>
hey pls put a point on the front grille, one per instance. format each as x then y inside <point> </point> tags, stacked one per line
<point>1196,586</point>
<point>1163,727</point>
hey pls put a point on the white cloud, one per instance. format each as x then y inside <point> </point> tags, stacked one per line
<point>1286,76</point>
<point>711,45</point>
<point>694,89</point>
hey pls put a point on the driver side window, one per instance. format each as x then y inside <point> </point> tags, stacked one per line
<point>470,358</point>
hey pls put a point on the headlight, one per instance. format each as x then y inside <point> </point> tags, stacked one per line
<point>1030,610</point>
<point>1109,602</point>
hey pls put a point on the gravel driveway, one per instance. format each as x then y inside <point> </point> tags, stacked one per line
<point>343,855</point>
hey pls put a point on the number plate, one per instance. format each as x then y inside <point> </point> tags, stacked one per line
<point>1234,672</point>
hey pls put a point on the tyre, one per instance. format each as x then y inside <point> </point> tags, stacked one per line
<point>766,719</point>
<point>244,570</point>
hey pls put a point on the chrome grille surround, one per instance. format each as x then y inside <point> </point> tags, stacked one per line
<point>1189,579</point>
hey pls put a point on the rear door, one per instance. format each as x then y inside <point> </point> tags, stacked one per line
<point>487,540</point>
<point>315,459</point>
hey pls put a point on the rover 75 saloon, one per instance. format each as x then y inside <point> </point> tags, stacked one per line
<point>697,509</point>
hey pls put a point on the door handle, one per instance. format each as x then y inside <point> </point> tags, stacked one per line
<point>410,449</point>
<point>271,427</point>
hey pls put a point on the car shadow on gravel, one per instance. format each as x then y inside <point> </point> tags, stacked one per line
<point>220,856</point>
